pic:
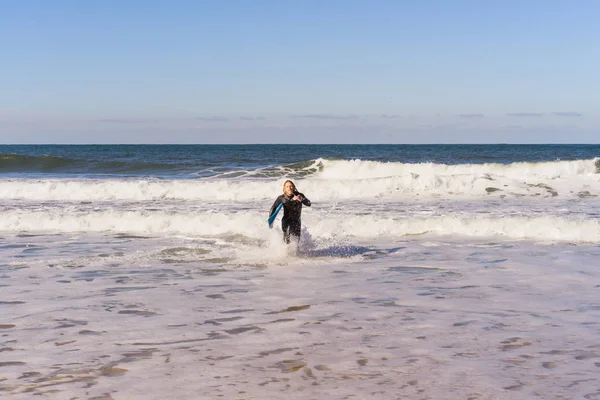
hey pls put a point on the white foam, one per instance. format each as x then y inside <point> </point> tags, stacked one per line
<point>359,169</point>
<point>252,224</point>
<point>368,180</point>
<point>134,190</point>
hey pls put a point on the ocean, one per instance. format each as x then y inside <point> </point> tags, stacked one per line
<point>423,272</point>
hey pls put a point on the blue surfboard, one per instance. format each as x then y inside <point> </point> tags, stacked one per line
<point>272,217</point>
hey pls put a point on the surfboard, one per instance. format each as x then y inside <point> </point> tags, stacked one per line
<point>272,217</point>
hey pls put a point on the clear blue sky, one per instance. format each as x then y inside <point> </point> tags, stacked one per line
<point>299,71</point>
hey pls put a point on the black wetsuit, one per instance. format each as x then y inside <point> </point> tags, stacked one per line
<point>292,210</point>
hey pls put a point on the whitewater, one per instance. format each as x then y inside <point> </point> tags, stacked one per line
<point>354,198</point>
<point>476,278</point>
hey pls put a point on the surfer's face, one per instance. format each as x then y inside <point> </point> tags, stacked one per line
<point>289,188</point>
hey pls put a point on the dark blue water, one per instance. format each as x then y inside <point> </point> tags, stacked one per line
<point>190,161</point>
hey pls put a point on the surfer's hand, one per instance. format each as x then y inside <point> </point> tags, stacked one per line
<point>298,198</point>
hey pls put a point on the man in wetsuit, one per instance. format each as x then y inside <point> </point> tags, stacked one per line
<point>292,210</point>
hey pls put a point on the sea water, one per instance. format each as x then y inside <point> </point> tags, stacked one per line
<point>423,272</point>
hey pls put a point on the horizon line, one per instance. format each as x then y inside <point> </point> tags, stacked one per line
<point>299,144</point>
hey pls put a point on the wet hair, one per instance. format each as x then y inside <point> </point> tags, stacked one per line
<point>293,184</point>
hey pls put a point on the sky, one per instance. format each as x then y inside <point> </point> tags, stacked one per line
<point>311,71</point>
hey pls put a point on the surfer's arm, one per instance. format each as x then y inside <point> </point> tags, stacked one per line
<point>274,207</point>
<point>305,201</point>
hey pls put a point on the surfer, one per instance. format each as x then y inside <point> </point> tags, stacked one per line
<point>292,201</point>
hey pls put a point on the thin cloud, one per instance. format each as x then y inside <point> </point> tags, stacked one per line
<point>393,116</point>
<point>511,127</point>
<point>446,126</point>
<point>525,114</point>
<point>326,116</point>
<point>125,121</point>
<point>213,118</point>
<point>244,118</point>
<point>567,114</point>
<point>470,116</point>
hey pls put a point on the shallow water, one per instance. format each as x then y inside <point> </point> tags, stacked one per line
<point>112,316</point>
